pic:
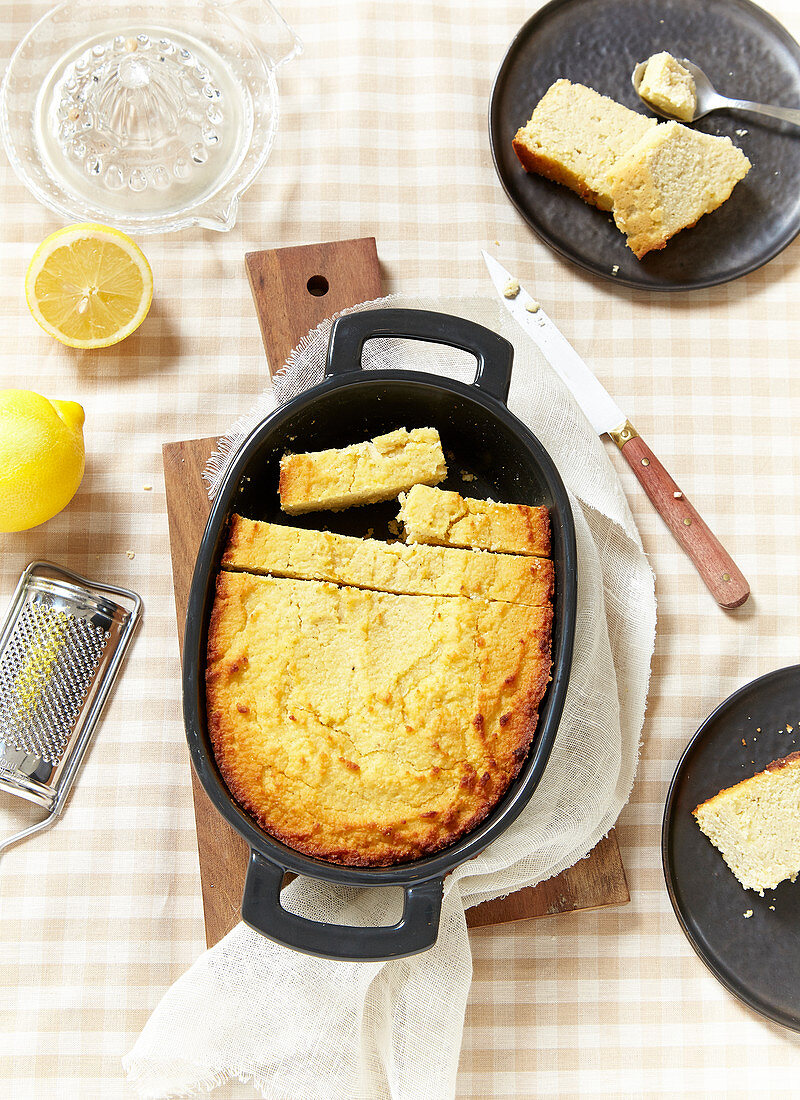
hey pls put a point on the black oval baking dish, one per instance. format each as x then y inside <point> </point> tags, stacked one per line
<point>497,456</point>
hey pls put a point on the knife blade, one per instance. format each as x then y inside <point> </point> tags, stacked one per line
<point>716,567</point>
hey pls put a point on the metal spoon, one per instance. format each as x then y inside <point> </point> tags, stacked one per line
<point>709,99</point>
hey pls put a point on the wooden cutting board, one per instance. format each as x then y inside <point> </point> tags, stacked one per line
<point>294,289</point>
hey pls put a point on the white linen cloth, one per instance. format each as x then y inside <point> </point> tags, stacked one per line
<point>297,1026</point>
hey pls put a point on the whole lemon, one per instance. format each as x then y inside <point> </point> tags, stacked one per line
<point>41,457</point>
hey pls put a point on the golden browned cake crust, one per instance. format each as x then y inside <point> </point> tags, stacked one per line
<point>792,760</point>
<point>533,160</point>
<point>269,548</point>
<point>364,727</point>
<point>364,473</point>
<point>442,518</point>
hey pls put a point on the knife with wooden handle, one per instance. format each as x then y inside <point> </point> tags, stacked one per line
<point>717,568</point>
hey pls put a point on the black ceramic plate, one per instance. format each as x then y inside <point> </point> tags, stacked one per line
<point>747,55</point>
<point>758,957</point>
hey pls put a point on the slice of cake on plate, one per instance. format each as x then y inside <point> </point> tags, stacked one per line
<point>756,825</point>
<point>668,180</point>
<point>575,135</point>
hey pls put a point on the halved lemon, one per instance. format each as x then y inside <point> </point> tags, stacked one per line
<point>88,285</point>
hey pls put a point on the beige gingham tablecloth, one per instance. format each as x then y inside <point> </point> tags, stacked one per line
<point>383,132</point>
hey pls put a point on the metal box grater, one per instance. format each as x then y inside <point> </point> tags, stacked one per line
<point>61,646</point>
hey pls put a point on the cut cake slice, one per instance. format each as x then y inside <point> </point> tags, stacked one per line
<point>443,518</point>
<point>756,825</point>
<point>269,548</point>
<point>668,180</point>
<point>575,135</point>
<point>378,469</point>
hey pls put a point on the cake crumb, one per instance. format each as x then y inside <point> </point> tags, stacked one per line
<point>130,554</point>
<point>511,289</point>
<point>772,907</point>
<point>393,527</point>
<point>789,728</point>
<point>147,488</point>
<point>467,476</point>
<point>747,913</point>
<point>533,306</point>
<point>668,85</point>
<point>497,243</point>
<point>678,495</point>
<point>615,269</point>
<point>370,532</point>
<point>758,729</point>
<point>743,741</point>
<point>741,133</point>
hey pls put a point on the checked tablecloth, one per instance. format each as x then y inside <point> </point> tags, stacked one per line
<point>383,132</point>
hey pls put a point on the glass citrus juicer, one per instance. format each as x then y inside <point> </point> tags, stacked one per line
<point>152,117</point>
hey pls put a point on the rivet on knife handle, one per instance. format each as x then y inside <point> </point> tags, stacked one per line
<point>622,435</point>
<point>717,568</point>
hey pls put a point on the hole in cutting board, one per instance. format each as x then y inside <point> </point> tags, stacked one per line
<point>318,285</point>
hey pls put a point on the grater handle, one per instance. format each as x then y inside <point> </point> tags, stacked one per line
<point>39,827</point>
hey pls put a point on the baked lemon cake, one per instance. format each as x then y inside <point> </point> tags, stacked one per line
<point>270,548</point>
<point>668,180</point>
<point>364,473</point>
<point>444,518</point>
<point>364,727</point>
<point>756,825</point>
<point>575,135</point>
<point>669,86</point>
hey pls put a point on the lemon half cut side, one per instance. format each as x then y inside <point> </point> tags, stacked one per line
<point>89,285</point>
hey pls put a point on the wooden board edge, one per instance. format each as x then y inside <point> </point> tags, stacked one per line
<point>573,890</point>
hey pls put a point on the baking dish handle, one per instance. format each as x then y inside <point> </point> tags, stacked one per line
<point>494,354</point>
<point>414,932</point>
